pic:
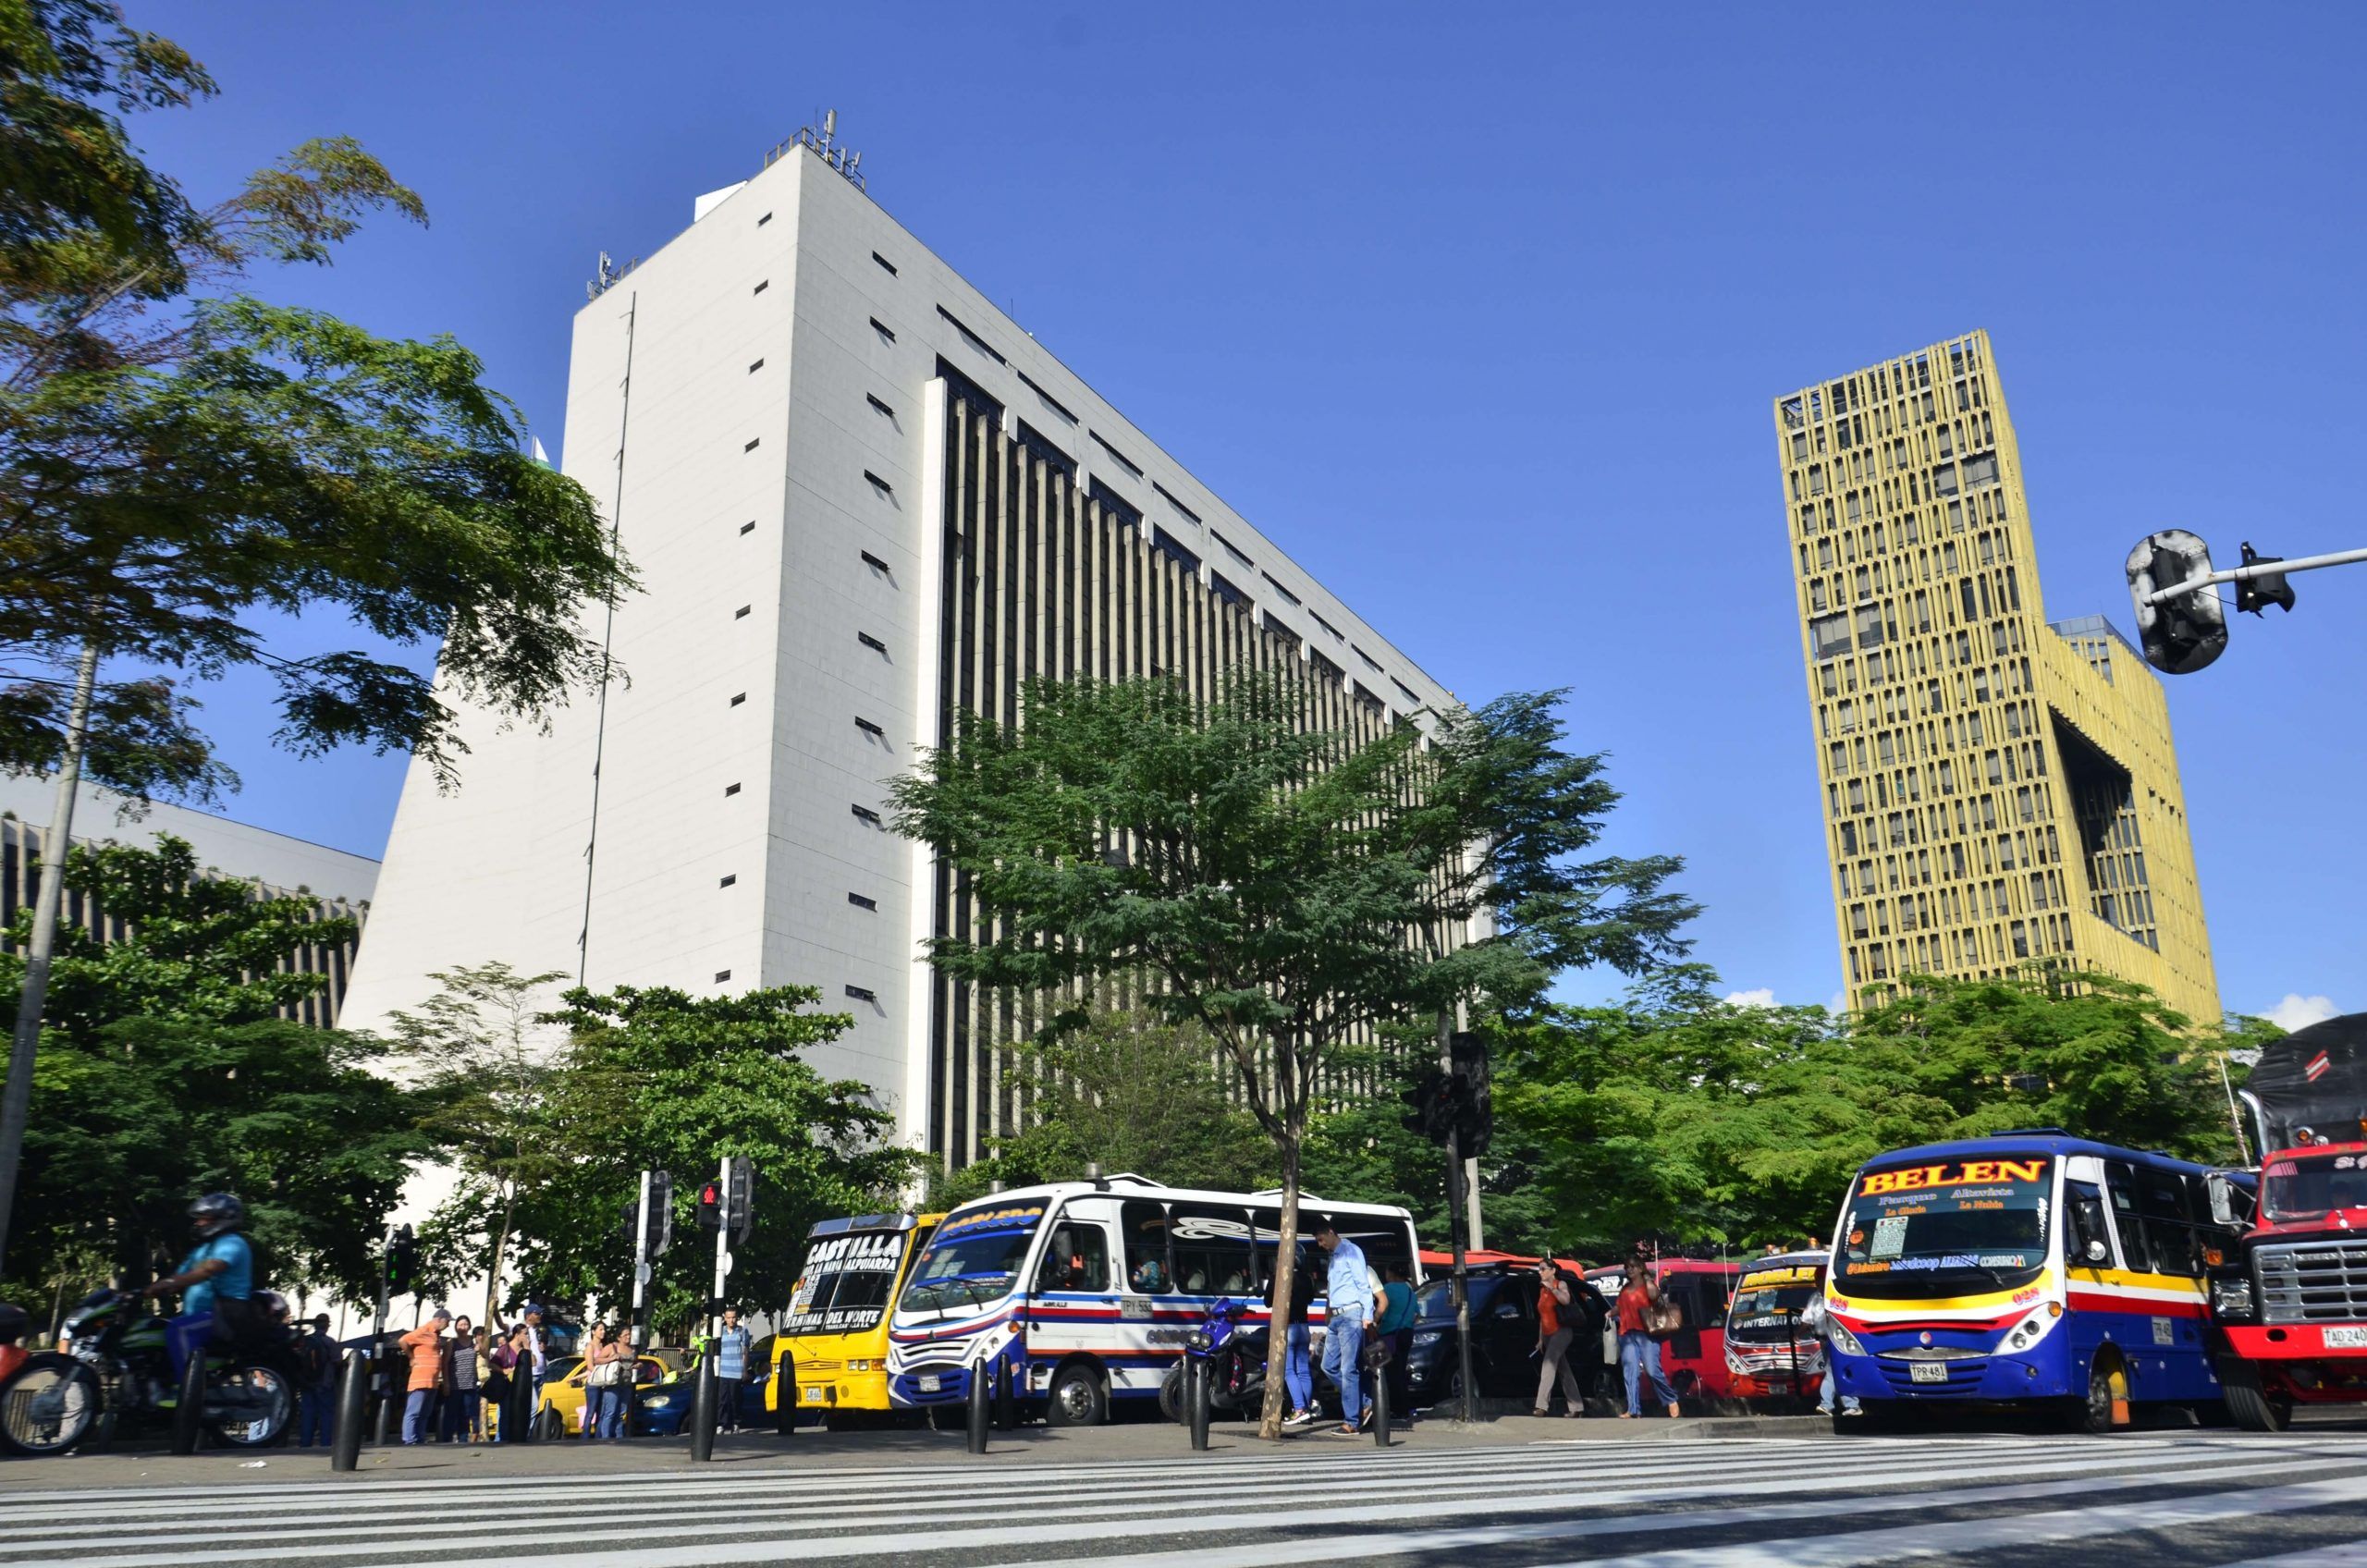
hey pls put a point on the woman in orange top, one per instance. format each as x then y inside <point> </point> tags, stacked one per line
<point>1639,1354</point>
<point>424,1345</point>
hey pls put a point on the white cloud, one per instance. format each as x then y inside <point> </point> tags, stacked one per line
<point>2298,1012</point>
<point>1837,1003</point>
<point>1761,996</point>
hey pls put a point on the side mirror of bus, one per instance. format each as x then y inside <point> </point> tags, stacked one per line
<point>2088,1225</point>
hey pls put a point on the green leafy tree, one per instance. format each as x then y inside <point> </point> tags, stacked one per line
<point>1679,1114</point>
<point>482,1058</point>
<point>655,1079</point>
<point>1129,1092</point>
<point>1290,891</point>
<point>166,1073</point>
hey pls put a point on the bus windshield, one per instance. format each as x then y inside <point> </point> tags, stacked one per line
<point>1943,1227</point>
<point>1771,1312</point>
<point>974,1259</point>
<point>845,1284</point>
<point>2303,1189</point>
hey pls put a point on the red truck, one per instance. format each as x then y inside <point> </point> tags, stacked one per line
<point>2291,1301</point>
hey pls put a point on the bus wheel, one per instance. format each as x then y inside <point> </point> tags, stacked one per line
<point>2253,1410</point>
<point>1076,1397</point>
<point>2105,1410</point>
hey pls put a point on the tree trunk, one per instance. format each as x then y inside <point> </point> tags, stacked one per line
<point>1287,1286</point>
<point>500,1244</point>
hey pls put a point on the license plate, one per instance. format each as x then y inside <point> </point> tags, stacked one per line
<point>2346,1338</point>
<point>1927,1372</point>
<point>931,1384</point>
<point>813,1396</point>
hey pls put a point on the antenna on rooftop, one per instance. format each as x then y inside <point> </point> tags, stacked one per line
<point>823,144</point>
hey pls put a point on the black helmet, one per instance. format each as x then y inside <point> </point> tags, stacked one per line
<point>216,1214</point>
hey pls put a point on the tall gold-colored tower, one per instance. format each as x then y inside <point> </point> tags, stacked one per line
<point>1999,790</point>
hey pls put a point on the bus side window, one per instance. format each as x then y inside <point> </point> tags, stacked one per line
<point>2120,1182</point>
<point>2167,1206</point>
<point>2089,1244</point>
<point>1076,1260</point>
<point>1145,1226</point>
<point>1211,1248</point>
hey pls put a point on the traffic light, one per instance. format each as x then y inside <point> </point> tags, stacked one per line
<point>1474,1117</point>
<point>402,1263</point>
<point>711,1206</point>
<point>739,1196</point>
<point>2256,594</point>
<point>1430,1102</point>
<point>661,1213</point>
<point>629,1223</point>
<point>2183,634</point>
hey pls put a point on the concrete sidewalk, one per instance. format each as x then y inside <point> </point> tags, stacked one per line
<point>848,1451</point>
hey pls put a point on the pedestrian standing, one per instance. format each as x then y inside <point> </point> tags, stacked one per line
<point>425,1346</point>
<point>731,1348</point>
<point>481,1408</point>
<point>1395,1327</point>
<point>1351,1303</point>
<point>1298,1367</point>
<point>316,1367</point>
<point>460,1384</point>
<point>1639,1354</point>
<point>599,1375</point>
<point>1818,1320</point>
<point>511,1367</point>
<point>1557,1321</point>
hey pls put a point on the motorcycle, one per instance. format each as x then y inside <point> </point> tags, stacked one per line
<point>1235,1355</point>
<point>117,1369</point>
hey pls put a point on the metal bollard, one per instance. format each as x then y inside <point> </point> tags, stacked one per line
<point>352,1408</point>
<point>188,1413</point>
<point>979,1402</point>
<point>1006,1398</point>
<point>703,1411</point>
<point>1196,1400</point>
<point>785,1397</point>
<point>1380,1410</point>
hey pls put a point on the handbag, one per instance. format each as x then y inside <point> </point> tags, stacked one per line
<point>1663,1317</point>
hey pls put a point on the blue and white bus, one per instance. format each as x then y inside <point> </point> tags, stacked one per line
<point>1087,1290</point>
<point>2029,1270</point>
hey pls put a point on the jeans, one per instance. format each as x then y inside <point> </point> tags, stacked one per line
<point>1832,1382</point>
<point>184,1334</point>
<point>460,1415</point>
<point>415,1415</point>
<point>727,1403</point>
<point>616,1403</point>
<point>1344,1346</point>
<point>1639,1357</point>
<point>315,1415</point>
<point>1298,1369</point>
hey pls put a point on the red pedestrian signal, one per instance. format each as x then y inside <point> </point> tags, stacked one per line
<point>711,1207</point>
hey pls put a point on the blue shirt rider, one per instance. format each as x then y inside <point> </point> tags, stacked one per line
<point>219,1269</point>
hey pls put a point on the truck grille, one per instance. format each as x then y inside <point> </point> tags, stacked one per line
<point>2313,1282</point>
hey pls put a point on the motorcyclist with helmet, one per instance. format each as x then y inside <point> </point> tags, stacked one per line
<point>217,1280</point>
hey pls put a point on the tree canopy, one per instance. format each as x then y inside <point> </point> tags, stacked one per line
<point>656,1079</point>
<point>166,1072</point>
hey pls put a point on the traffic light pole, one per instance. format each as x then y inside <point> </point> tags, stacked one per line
<point>640,1271</point>
<point>378,1377</point>
<point>1467,1406</point>
<point>2246,573</point>
<point>704,1397</point>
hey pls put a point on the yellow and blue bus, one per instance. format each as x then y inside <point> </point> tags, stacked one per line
<point>2026,1271</point>
<point>830,1355</point>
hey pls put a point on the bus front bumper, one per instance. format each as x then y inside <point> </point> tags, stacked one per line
<point>1979,1379</point>
<point>2298,1342</point>
<point>843,1390</point>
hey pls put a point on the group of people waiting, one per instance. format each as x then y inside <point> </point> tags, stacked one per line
<point>454,1376</point>
<point>1571,1318</point>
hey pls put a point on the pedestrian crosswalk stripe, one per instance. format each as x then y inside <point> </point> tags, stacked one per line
<point>1955,1536</point>
<point>1541,1532</point>
<point>2349,1554</point>
<point>1088,1525</point>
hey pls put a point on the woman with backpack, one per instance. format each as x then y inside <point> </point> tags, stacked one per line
<point>1643,1313</point>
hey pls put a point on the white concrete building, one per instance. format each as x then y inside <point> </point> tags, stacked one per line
<point>859,496</point>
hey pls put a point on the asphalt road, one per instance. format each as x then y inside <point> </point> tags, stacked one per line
<point>1132,1496</point>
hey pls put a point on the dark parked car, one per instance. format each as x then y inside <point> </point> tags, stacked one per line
<point>1503,1338</point>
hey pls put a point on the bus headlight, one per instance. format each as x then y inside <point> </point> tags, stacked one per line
<point>2030,1330</point>
<point>1843,1339</point>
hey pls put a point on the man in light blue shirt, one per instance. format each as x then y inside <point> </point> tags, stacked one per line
<point>731,1348</point>
<point>1352,1297</point>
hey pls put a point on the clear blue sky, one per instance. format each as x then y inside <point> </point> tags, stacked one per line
<point>1479,315</point>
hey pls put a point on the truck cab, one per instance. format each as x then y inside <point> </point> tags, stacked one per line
<point>2289,1303</point>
